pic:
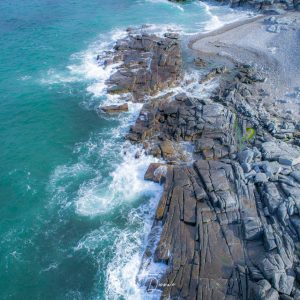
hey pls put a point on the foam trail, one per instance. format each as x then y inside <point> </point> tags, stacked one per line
<point>224,15</point>
<point>214,22</point>
<point>121,278</point>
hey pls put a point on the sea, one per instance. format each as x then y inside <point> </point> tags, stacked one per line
<point>75,211</point>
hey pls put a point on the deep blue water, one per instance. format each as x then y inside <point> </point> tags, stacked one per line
<point>74,209</point>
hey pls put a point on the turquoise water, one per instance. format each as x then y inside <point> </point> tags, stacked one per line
<point>74,210</point>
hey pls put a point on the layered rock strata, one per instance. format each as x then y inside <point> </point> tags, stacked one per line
<point>230,208</point>
<point>230,218</point>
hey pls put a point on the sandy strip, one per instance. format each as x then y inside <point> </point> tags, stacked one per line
<point>223,29</point>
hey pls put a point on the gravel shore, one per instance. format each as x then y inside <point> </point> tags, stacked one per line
<point>270,42</point>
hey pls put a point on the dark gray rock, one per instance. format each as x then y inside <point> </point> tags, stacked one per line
<point>260,178</point>
<point>264,291</point>
<point>246,156</point>
<point>269,238</point>
<point>283,283</point>
<point>252,228</point>
<point>224,234</point>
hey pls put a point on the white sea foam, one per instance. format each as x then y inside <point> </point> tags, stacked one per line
<point>125,248</point>
<point>122,271</point>
<point>127,184</point>
<point>172,4</point>
<point>222,15</point>
<point>84,66</point>
<point>24,78</point>
<point>214,21</point>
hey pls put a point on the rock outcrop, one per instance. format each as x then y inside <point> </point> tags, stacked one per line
<point>230,217</point>
<point>230,208</point>
<point>148,64</point>
<point>271,6</point>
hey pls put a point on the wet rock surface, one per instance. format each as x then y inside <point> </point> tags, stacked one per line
<point>230,208</point>
<point>114,108</point>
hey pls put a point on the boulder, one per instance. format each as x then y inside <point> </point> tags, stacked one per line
<point>260,178</point>
<point>283,283</point>
<point>167,149</point>
<point>264,291</point>
<point>282,152</point>
<point>156,172</point>
<point>246,156</point>
<point>252,228</point>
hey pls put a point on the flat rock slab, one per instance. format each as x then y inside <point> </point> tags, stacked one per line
<point>282,152</point>
<point>114,108</point>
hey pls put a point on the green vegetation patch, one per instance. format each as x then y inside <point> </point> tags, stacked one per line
<point>250,133</point>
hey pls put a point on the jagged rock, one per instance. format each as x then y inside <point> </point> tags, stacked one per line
<point>148,64</point>
<point>283,283</point>
<point>246,156</point>
<point>269,238</point>
<point>167,149</point>
<point>171,35</point>
<point>272,264</point>
<point>246,167</point>
<point>272,169</point>
<point>296,222</point>
<point>213,73</point>
<point>296,175</point>
<point>199,62</point>
<point>265,5</point>
<point>225,234</point>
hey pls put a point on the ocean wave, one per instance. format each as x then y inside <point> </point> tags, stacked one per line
<point>127,184</point>
<point>85,67</point>
<point>214,21</point>
<point>122,270</point>
<point>172,4</point>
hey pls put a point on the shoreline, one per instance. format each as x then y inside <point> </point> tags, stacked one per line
<point>229,158</point>
<point>223,29</point>
<point>213,210</point>
<point>254,41</point>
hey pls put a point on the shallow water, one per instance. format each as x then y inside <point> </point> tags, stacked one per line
<point>75,211</point>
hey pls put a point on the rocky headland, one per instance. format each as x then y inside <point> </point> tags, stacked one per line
<point>229,214</point>
<point>267,6</point>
